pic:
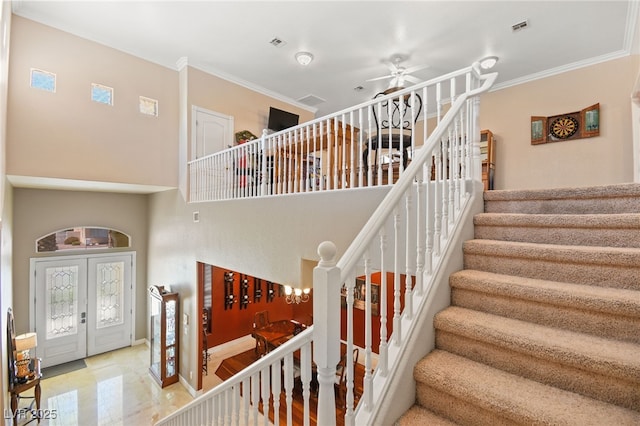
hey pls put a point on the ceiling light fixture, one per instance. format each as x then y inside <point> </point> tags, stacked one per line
<point>304,58</point>
<point>488,62</point>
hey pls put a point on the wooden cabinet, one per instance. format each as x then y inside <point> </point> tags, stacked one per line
<point>164,336</point>
<point>487,156</point>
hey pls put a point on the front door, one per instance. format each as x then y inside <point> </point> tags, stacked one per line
<point>82,306</point>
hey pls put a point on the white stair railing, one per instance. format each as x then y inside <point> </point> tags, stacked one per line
<point>401,246</point>
<point>247,397</point>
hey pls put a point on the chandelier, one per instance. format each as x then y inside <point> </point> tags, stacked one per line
<point>296,295</point>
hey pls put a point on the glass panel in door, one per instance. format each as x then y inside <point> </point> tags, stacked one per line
<point>109,294</point>
<point>60,310</point>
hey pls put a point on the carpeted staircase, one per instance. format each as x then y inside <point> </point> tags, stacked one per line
<point>544,322</point>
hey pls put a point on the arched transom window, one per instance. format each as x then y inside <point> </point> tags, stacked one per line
<point>80,238</point>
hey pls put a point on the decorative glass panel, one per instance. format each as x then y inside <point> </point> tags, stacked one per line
<point>171,322</point>
<point>171,361</point>
<point>61,301</point>
<point>109,303</point>
<point>156,324</point>
<point>43,80</point>
<point>148,106</point>
<point>101,94</point>
<point>82,238</point>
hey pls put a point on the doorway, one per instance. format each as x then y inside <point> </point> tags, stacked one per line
<point>213,132</point>
<point>81,305</point>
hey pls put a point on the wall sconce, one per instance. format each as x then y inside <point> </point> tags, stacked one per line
<point>296,295</point>
<point>24,343</point>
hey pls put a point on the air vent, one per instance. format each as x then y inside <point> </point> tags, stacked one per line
<point>311,100</point>
<point>278,42</point>
<point>520,25</point>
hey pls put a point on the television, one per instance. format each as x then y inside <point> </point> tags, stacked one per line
<point>280,120</point>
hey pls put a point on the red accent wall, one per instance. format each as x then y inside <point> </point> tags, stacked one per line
<point>233,323</point>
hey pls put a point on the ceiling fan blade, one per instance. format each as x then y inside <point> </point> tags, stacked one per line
<point>380,78</point>
<point>412,79</point>
<point>415,68</point>
<point>393,66</point>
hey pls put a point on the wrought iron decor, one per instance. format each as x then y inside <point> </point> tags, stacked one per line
<point>244,291</point>
<point>257,290</point>
<point>229,298</point>
<point>270,291</point>
<point>565,127</point>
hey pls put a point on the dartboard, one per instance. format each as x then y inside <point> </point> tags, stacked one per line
<point>564,127</point>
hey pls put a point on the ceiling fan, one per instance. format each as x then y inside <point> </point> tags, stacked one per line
<point>399,74</point>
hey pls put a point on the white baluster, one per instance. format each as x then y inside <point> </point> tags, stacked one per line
<point>437,198</point>
<point>305,378</point>
<point>288,386</point>
<point>383,355</point>
<point>368,378</point>
<point>420,231</point>
<point>343,142</point>
<point>350,285</point>
<point>276,386</point>
<point>246,398</point>
<point>336,145</point>
<point>397,329</point>
<point>408,278</point>
<point>446,167</point>
<point>255,396</point>
<point>265,394</point>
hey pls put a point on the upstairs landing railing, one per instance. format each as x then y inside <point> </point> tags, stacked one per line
<point>367,145</point>
<point>399,250</point>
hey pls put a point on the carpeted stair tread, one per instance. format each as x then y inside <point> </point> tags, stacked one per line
<point>514,398</point>
<point>617,267</point>
<point>588,192</point>
<point>582,351</point>
<point>419,416</point>
<point>607,221</point>
<point>615,230</point>
<point>602,299</point>
<point>620,256</point>
<point>609,199</point>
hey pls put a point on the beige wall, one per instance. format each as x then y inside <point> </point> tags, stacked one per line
<point>605,159</point>
<point>66,135</point>
<point>250,109</point>
<point>40,212</point>
<point>6,219</point>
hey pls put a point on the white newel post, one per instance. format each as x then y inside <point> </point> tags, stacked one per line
<point>326,329</point>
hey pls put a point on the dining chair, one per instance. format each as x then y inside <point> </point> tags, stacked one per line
<point>395,119</point>
<point>261,319</point>
<point>340,384</point>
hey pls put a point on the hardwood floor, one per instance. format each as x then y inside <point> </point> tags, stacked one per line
<point>233,364</point>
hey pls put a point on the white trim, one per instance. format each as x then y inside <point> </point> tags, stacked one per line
<point>194,133</point>
<point>256,88</point>
<point>559,70</point>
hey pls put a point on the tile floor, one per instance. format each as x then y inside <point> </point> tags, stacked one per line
<point>117,389</point>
